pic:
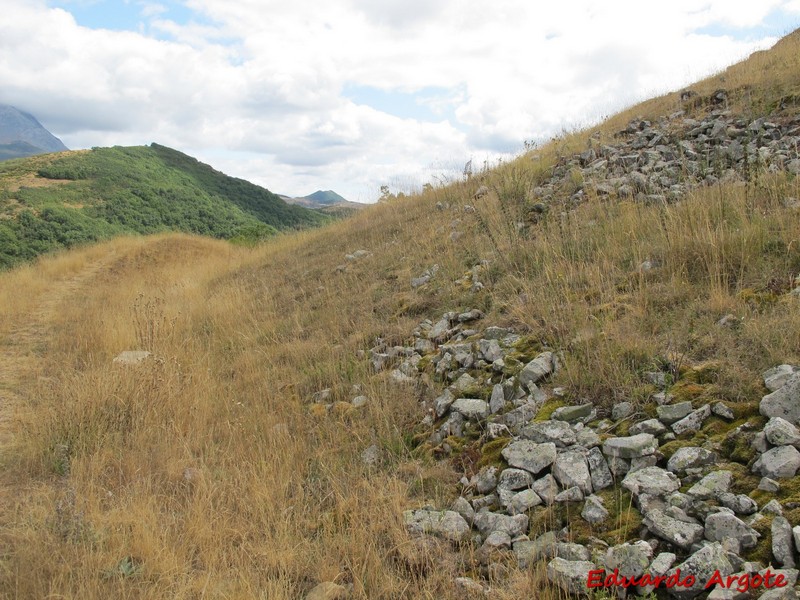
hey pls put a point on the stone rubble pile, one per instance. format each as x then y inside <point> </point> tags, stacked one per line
<point>691,518</point>
<point>660,161</point>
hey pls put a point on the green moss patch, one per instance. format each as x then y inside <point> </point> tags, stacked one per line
<point>548,408</point>
<point>491,453</point>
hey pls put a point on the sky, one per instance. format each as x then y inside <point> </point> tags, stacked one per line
<point>351,95</point>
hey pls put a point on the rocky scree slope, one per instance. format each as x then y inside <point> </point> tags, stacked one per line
<point>679,502</point>
<point>680,484</point>
<point>660,161</point>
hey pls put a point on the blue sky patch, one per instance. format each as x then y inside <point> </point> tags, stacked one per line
<point>430,104</point>
<point>777,23</point>
<point>124,15</point>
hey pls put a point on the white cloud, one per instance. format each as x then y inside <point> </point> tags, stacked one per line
<point>255,86</point>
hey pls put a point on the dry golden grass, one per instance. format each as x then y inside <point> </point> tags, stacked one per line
<point>203,473</point>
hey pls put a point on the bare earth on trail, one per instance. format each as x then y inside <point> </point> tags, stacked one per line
<point>21,350</point>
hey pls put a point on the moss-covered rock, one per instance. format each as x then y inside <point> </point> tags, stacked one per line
<point>548,408</point>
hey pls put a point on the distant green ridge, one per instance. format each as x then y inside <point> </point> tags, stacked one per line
<point>59,200</point>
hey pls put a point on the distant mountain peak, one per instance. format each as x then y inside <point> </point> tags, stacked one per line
<point>325,198</point>
<point>22,135</point>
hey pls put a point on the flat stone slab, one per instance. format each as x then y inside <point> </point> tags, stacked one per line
<point>446,524</point>
<point>779,463</point>
<point>676,532</point>
<point>634,446</point>
<point>570,575</point>
<point>530,456</point>
<point>472,408</point>
<point>131,357</point>
<point>653,481</point>
<point>784,402</point>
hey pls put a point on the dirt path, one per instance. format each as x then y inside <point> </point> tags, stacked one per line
<point>21,354</point>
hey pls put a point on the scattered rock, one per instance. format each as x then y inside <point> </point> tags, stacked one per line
<point>328,590</point>
<point>570,575</point>
<point>446,524</point>
<point>131,357</point>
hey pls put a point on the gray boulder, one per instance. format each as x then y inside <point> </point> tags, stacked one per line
<point>677,533</point>
<point>531,552</point>
<point>443,403</point>
<point>598,469</point>
<point>652,426</point>
<point>536,370</point>
<point>571,470</point>
<point>570,575</point>
<point>570,551</point>
<point>653,481</point>
<point>485,480</point>
<point>515,479</point>
<point>783,542</point>
<point>530,456</point>
<point>578,412</point>
<point>784,402</point>
<point>702,565</point>
<point>486,522</point>
<point>498,399</point>
<point>776,377</point>
<point>558,432</point>
<point>693,421</point>
<point>780,462</point>
<point>523,501</point>
<point>779,432</point>
<point>632,559</point>
<point>633,446</point>
<point>672,413</point>
<point>472,408</point>
<point>690,457</point>
<point>712,485</point>
<point>573,494</point>
<point>593,510</point>
<point>445,524</point>
<point>722,525</point>
<point>621,410</point>
<point>738,503</point>
<point>546,488</point>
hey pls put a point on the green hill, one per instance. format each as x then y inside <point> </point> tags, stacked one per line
<point>325,197</point>
<point>59,200</point>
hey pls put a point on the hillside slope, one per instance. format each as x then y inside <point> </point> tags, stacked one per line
<point>484,346</point>
<point>59,200</point>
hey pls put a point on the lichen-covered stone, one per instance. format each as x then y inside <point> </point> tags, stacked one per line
<point>571,470</point>
<point>653,481</point>
<point>693,421</point>
<point>570,575</point>
<point>446,524</point>
<point>598,469</point>
<point>671,413</point>
<point>678,533</point>
<point>690,457</point>
<point>558,432</point>
<point>530,456</point>
<point>780,462</point>
<point>594,511</point>
<point>633,446</point>
<point>702,565</point>
<point>722,525</point>
<point>784,402</point>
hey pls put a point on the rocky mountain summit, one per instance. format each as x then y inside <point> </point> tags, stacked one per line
<point>22,135</point>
